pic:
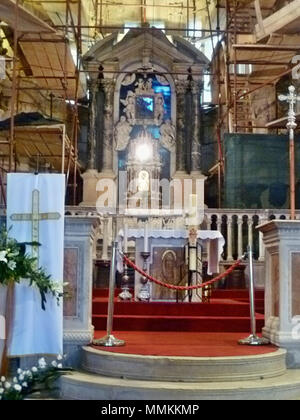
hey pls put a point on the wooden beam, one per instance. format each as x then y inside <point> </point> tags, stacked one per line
<point>27,21</point>
<point>259,16</point>
<point>261,47</point>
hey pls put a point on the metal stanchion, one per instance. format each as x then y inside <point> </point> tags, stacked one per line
<point>253,339</point>
<point>109,340</point>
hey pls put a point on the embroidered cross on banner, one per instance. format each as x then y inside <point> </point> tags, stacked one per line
<point>35,217</point>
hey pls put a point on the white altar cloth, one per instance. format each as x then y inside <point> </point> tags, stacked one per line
<point>213,238</point>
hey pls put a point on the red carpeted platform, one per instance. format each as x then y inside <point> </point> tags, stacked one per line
<point>228,311</point>
<point>184,344</point>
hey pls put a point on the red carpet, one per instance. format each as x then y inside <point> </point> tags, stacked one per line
<point>184,344</point>
<point>227,312</point>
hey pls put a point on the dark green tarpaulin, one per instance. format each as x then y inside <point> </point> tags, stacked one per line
<point>257,171</point>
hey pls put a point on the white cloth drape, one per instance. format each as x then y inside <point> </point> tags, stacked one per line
<point>214,239</point>
<point>36,331</point>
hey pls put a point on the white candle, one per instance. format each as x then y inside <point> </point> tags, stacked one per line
<point>146,238</point>
<point>193,259</point>
<point>126,238</point>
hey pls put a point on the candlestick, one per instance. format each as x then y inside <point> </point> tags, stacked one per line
<point>146,237</point>
<point>126,238</point>
<point>144,293</point>
<point>125,295</point>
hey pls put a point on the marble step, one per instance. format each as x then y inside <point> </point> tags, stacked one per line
<point>184,369</point>
<point>179,323</point>
<point>218,307</point>
<point>83,386</point>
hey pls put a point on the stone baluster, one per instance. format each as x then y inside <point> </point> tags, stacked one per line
<point>219,222</point>
<point>104,256</point>
<point>229,238</point>
<point>210,222</point>
<point>261,245</point>
<point>250,231</point>
<point>240,235</point>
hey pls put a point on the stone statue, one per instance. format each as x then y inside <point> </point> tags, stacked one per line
<point>129,110</point>
<point>159,111</point>
<point>148,86</point>
<point>139,87</point>
<point>143,181</point>
<point>129,79</point>
<point>122,134</point>
<point>168,135</point>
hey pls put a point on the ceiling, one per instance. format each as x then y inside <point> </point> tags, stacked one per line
<point>112,15</point>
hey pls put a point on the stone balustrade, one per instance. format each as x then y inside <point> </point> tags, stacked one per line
<point>237,226</point>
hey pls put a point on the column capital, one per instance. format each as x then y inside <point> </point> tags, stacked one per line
<point>196,87</point>
<point>181,86</point>
<point>108,85</point>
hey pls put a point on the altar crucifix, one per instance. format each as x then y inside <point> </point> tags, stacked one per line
<point>291,99</point>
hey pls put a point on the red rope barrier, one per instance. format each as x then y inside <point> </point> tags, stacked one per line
<point>171,286</point>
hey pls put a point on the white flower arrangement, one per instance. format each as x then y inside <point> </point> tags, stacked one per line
<point>16,265</point>
<point>28,382</point>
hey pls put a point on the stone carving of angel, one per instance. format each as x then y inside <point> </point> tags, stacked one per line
<point>129,79</point>
<point>159,111</point>
<point>122,134</point>
<point>139,87</point>
<point>148,86</point>
<point>168,135</point>
<point>129,110</point>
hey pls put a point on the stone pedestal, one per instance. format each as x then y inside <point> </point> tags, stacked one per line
<point>97,183</point>
<point>184,185</point>
<point>90,180</point>
<point>78,272</point>
<point>282,291</point>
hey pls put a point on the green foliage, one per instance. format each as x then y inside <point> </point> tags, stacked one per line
<point>16,265</point>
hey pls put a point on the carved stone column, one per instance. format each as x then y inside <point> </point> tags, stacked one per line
<point>109,88</point>
<point>196,146</point>
<point>180,152</point>
<point>93,88</point>
<point>91,177</point>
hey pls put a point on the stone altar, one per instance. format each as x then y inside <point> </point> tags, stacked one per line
<point>173,243</point>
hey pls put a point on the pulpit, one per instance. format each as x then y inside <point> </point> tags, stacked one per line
<point>167,260</point>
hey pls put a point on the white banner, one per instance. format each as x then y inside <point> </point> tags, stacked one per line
<point>35,211</point>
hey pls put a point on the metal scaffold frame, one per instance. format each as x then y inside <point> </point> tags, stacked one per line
<point>229,82</point>
<point>68,157</point>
